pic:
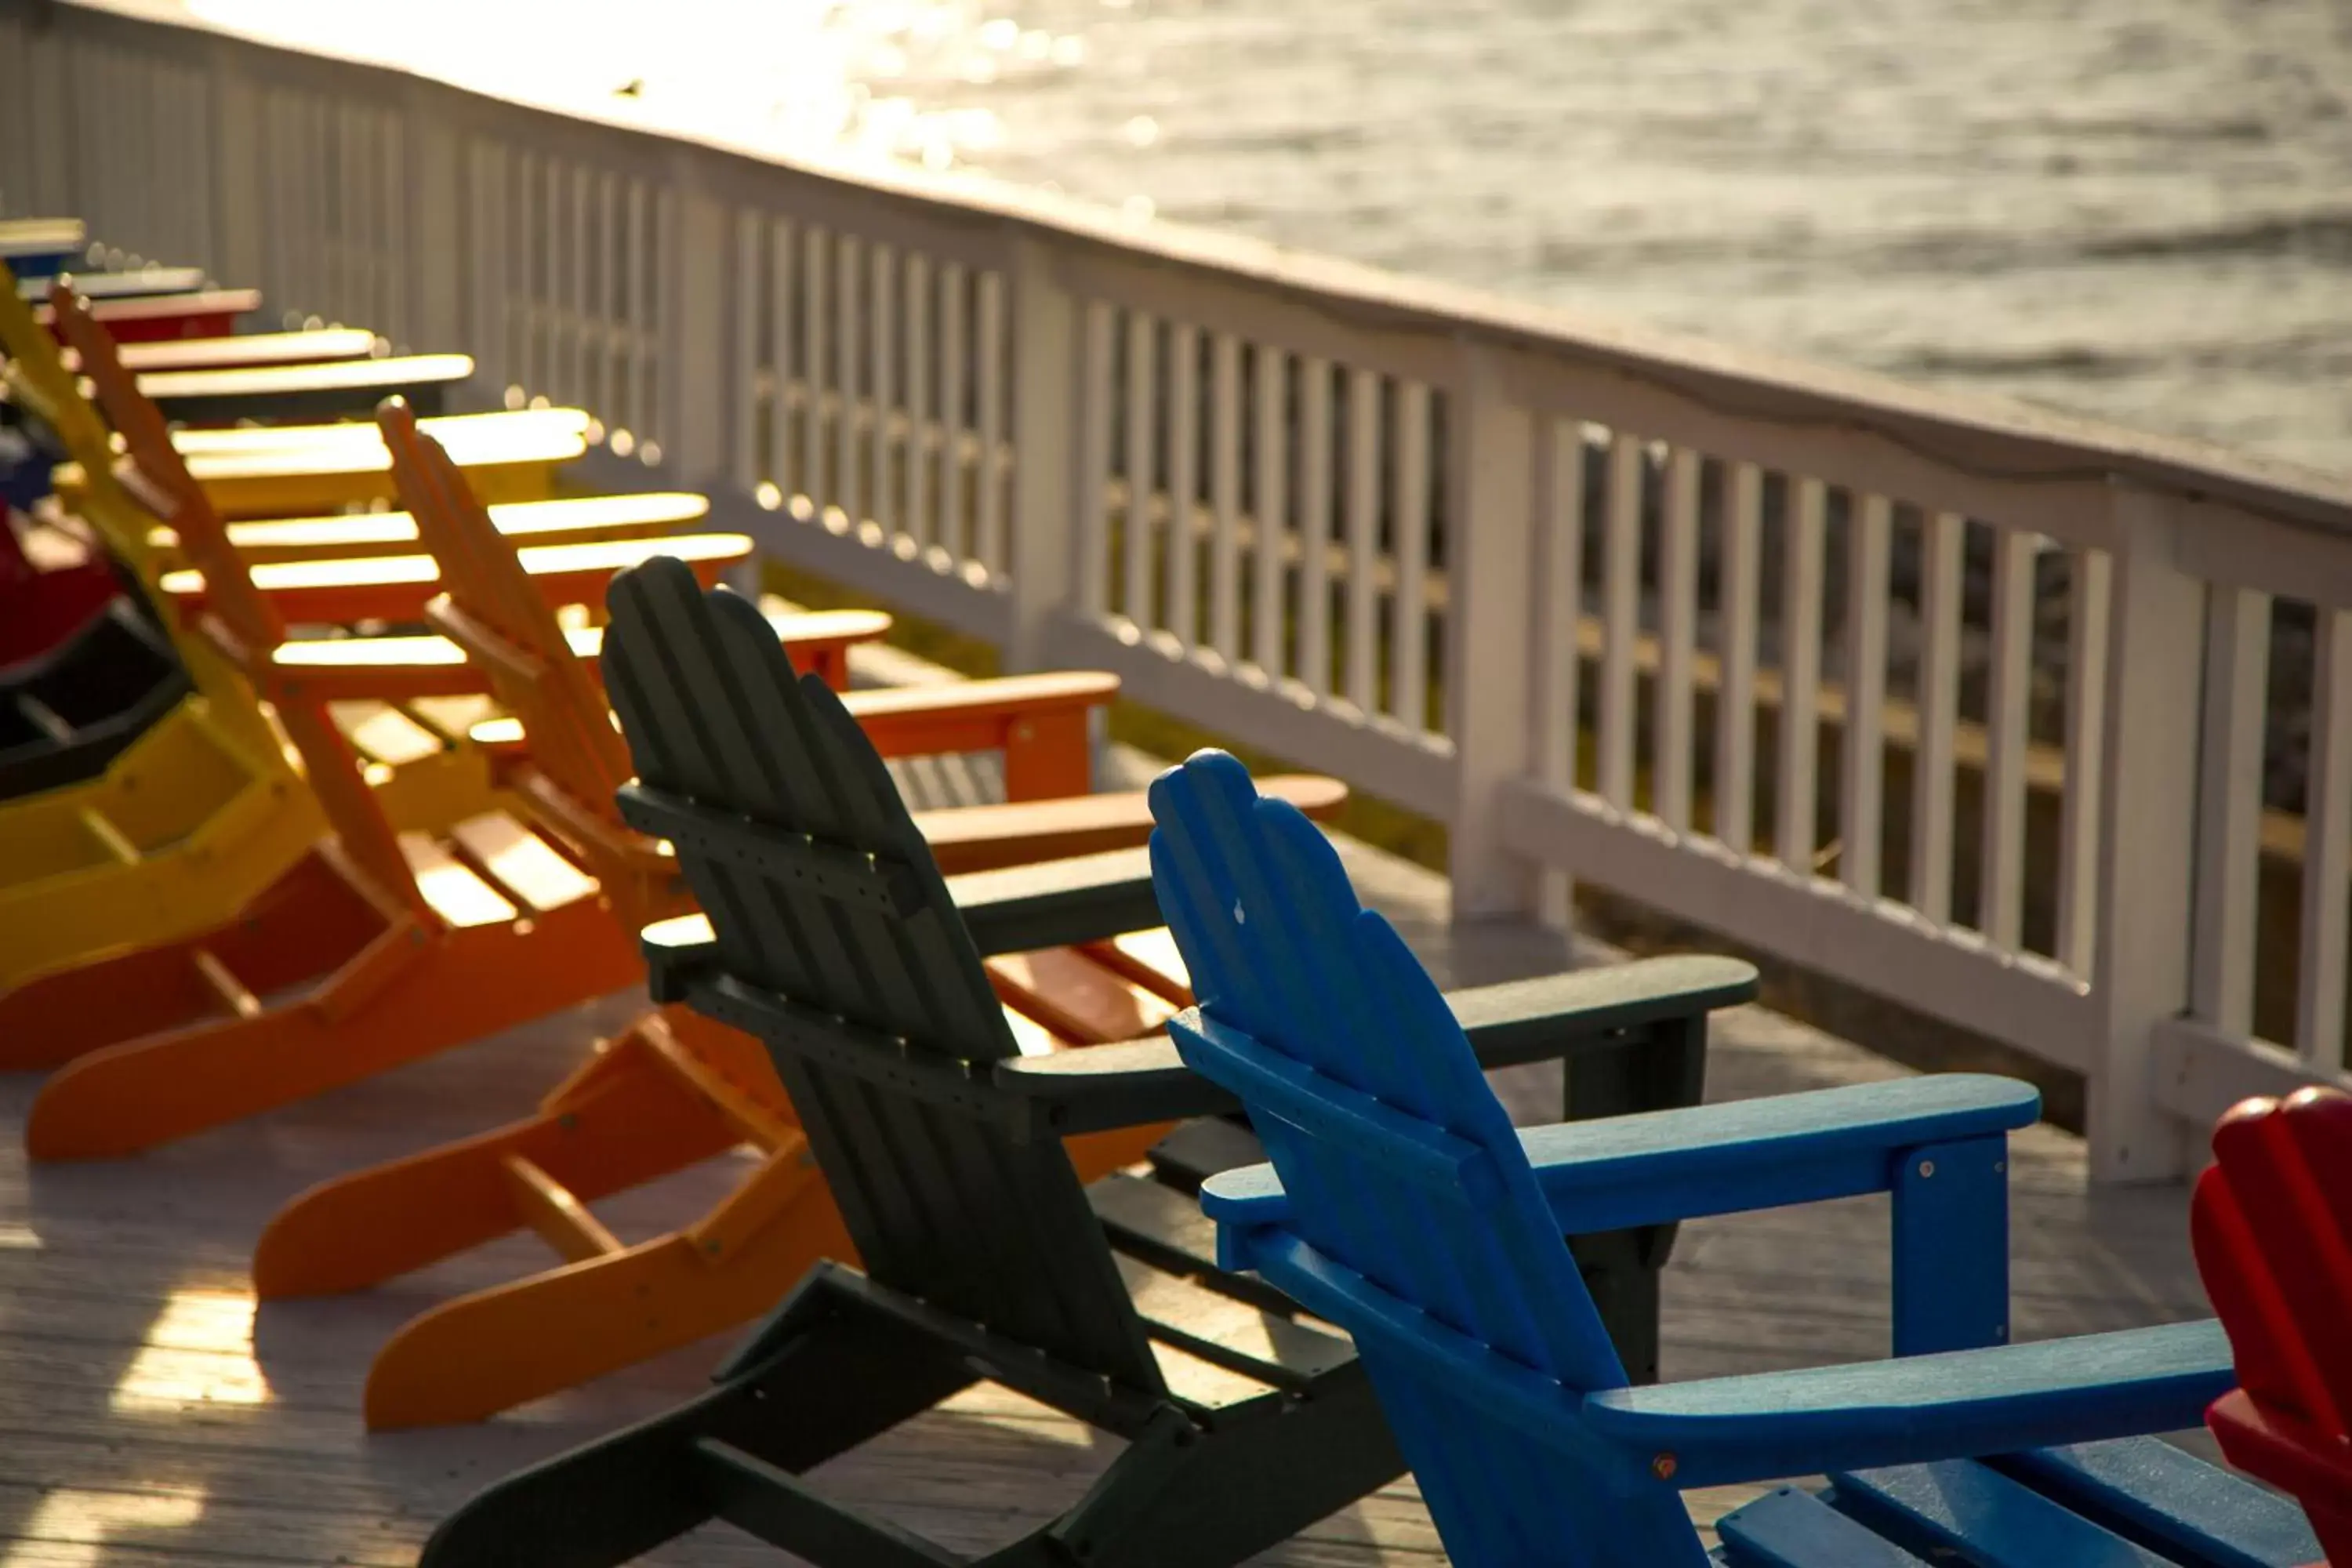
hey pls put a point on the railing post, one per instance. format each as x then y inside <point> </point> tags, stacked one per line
<point>693,371</point>
<point>433,252</point>
<point>240,214</point>
<point>2147,812</point>
<point>1491,550</point>
<point>1042,539</point>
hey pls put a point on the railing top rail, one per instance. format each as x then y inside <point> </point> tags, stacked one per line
<point>1981,436</point>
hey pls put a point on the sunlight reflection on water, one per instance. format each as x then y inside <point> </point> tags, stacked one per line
<point>2140,209</point>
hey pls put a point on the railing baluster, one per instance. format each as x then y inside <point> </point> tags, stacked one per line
<point>1800,675</point>
<point>1093,520</point>
<point>919,429</point>
<point>1363,540</point>
<point>1621,608</point>
<point>1315,526</point>
<point>645,220</point>
<point>611,365</point>
<point>491,259</point>
<point>1560,569</point>
<point>1734,697</point>
<point>882,482</point>
<point>665,260</point>
<point>1181,618</point>
<point>1867,548</point>
<point>1942,562</point>
<point>782,303</point>
<point>847,319</point>
<point>1271,506</point>
<point>1225,497</point>
<point>990,545</point>
<point>581,305</point>
<point>1677,640</point>
<point>954,389</point>
<point>2087,740</point>
<point>2008,707</point>
<point>2327,849</point>
<point>2230,810</point>
<point>1409,684</point>
<point>530,252</point>
<point>347,283</point>
<point>1142,407</point>
<point>816,251</point>
<point>744,467</point>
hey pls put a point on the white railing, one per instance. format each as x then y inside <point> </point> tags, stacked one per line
<point>1904,688</point>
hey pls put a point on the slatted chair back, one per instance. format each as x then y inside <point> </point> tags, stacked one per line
<point>1410,1192</point>
<point>162,480</point>
<point>236,614</point>
<point>2271,1224</point>
<point>824,899</point>
<point>39,381</point>
<point>578,761</point>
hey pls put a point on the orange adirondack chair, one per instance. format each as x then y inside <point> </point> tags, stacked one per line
<point>675,1088</point>
<point>2272,1222</point>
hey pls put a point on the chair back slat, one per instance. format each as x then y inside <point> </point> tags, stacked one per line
<point>229,591</point>
<point>941,1201</point>
<point>1404,1171</point>
<point>2271,1221</point>
<point>2271,1224</point>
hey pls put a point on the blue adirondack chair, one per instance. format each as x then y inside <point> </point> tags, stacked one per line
<point>1403,1205</point>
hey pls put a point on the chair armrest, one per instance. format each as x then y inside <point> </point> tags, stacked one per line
<point>1658,1166</point>
<point>1955,1404</point>
<point>1529,1020</point>
<point>1139,1081</point>
<point>676,951</point>
<point>1010,910</point>
<point>966,839</point>
<point>1058,902</point>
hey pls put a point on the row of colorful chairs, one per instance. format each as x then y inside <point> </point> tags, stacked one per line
<point>391,863</point>
<point>874,998</point>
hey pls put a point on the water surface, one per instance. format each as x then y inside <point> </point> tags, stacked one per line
<point>2140,209</point>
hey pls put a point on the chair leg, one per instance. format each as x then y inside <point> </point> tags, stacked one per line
<point>307,924</point>
<point>618,1123</point>
<point>837,1376</point>
<point>461,986</point>
<point>469,1359</point>
<point>1178,1497</point>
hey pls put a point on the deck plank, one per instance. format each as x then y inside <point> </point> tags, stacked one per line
<point>149,1413</point>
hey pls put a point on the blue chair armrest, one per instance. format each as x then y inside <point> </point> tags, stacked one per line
<point>1665,1165</point>
<point>1660,1167</point>
<point>1956,1404</point>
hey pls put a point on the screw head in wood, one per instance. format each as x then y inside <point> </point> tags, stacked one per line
<point>1663,1466</point>
<point>1927,1167</point>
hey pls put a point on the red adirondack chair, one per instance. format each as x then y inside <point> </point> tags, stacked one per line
<point>2272,1222</point>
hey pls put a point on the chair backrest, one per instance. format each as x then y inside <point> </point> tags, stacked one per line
<point>578,761</point>
<point>168,490</point>
<point>234,603</point>
<point>39,379</point>
<point>2271,1224</point>
<point>1407,1183</point>
<point>822,893</point>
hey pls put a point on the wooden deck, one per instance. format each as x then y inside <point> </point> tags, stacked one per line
<point>149,1414</point>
